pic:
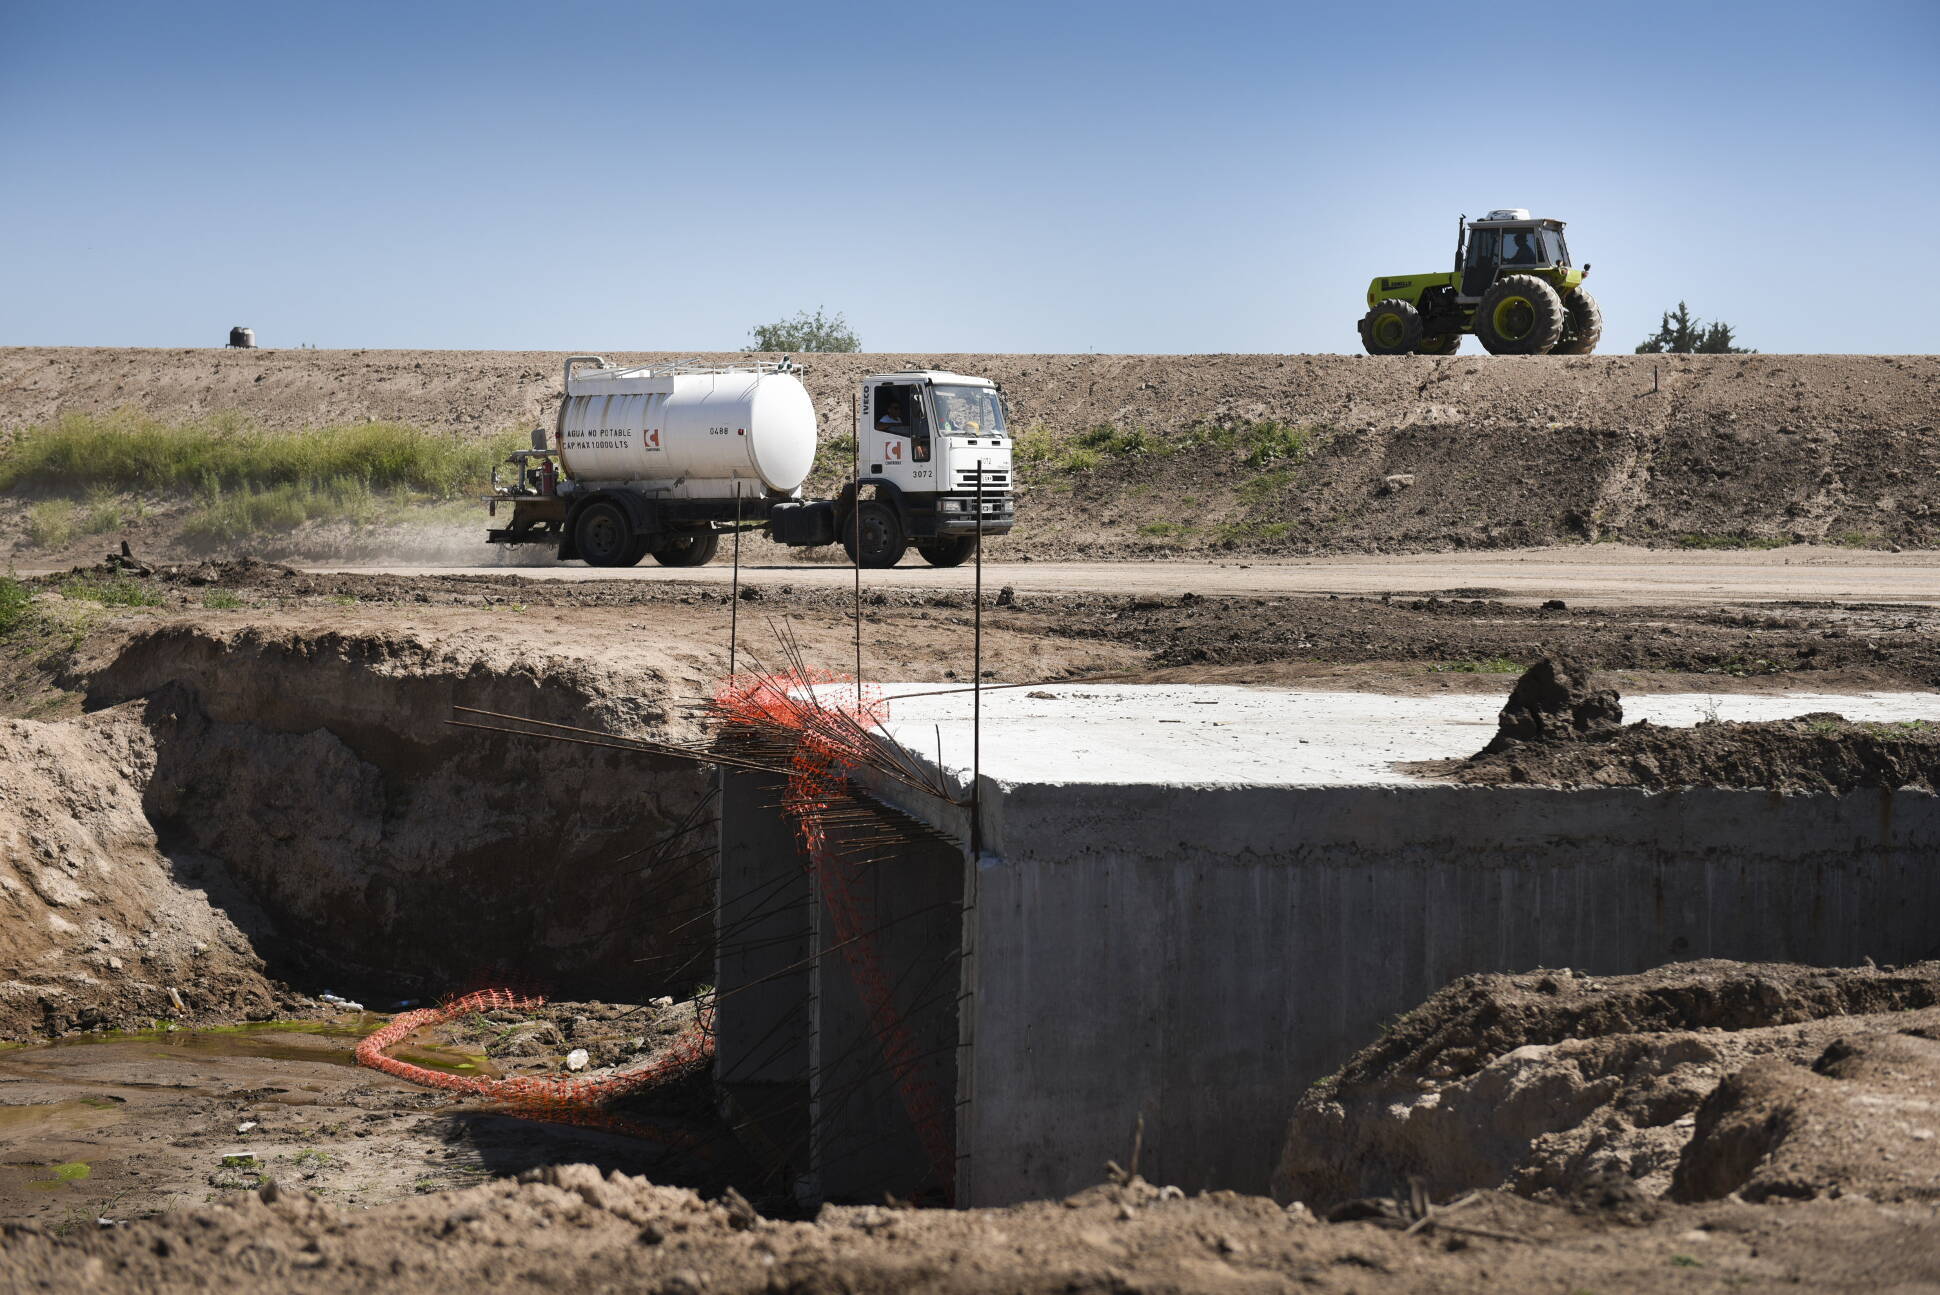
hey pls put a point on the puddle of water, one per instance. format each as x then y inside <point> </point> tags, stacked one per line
<point>452,1061</point>
<point>271,1040</point>
<point>58,1117</point>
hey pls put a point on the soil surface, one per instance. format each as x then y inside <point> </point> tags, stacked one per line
<point>1400,454</point>
<point>227,729</point>
<point>1691,1082</point>
<point>124,1126</point>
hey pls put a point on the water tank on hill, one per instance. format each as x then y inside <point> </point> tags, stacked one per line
<point>241,337</point>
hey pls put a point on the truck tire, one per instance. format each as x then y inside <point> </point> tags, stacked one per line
<point>1391,328</point>
<point>947,550</point>
<point>1446,345</point>
<point>883,541</point>
<point>604,537</point>
<point>687,549</point>
<point>1519,315</point>
<point>1582,324</point>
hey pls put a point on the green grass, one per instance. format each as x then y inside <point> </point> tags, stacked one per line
<point>16,606</point>
<point>224,515</point>
<point>1164,530</point>
<point>1739,540</point>
<point>130,451</point>
<point>221,600</point>
<point>1254,444</point>
<point>115,591</point>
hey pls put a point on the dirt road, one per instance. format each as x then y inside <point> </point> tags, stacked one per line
<point>1603,575</point>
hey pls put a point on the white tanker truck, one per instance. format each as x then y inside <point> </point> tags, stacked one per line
<point>663,460</point>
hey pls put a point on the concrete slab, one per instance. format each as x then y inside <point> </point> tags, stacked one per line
<point>1200,735</point>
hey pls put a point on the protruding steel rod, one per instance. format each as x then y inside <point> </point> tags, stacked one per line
<point>734,589</point>
<point>855,513</point>
<point>976,692</point>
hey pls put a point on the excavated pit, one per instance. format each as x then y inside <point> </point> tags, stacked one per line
<point>246,810</point>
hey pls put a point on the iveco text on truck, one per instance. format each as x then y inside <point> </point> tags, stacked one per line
<point>663,460</point>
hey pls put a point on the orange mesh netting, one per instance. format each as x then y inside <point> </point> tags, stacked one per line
<point>536,1093</point>
<point>831,726</point>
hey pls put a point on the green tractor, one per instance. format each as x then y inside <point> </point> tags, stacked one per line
<point>1513,286</point>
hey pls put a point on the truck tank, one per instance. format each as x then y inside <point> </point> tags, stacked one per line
<point>685,431</point>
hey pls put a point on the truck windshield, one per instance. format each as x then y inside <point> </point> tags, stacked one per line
<point>976,410</point>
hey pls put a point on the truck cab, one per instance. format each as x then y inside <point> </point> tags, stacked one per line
<point>933,458</point>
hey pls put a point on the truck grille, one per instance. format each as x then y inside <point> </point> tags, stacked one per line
<point>993,478</point>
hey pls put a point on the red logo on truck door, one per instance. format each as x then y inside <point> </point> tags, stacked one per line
<point>893,451</point>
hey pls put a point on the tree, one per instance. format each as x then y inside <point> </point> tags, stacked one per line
<point>1682,333</point>
<point>805,332</point>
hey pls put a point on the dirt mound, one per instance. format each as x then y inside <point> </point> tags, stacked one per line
<point>1125,455</point>
<point>100,925</point>
<point>1813,753</point>
<point>1556,1082</point>
<point>569,1227</point>
<point>1556,700</point>
<point>1863,1119</point>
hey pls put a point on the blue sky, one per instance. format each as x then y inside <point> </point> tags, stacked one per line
<point>1000,177</point>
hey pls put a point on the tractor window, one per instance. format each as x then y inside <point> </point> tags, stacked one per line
<point>1554,253</point>
<point>1519,247</point>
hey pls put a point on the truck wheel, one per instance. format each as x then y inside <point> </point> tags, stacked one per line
<point>1582,325</point>
<point>1391,328</point>
<point>948,551</point>
<point>687,549</point>
<point>883,543</point>
<point>1519,315</point>
<point>1445,345</point>
<point>604,536</point>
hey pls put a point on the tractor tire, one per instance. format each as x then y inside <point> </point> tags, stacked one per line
<point>1391,328</point>
<point>948,550</point>
<point>1444,345</point>
<point>1520,315</point>
<point>604,536</point>
<point>687,549</point>
<point>1582,325</point>
<point>883,542</point>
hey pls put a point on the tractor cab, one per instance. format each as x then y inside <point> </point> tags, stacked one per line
<point>1513,286</point>
<point>1507,241</point>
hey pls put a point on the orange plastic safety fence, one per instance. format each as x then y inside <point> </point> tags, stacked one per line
<point>539,1093</point>
<point>830,719</point>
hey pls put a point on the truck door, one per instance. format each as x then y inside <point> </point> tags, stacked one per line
<point>900,429</point>
<point>1479,272</point>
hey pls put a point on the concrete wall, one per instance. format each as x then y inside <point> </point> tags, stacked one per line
<point>762,966</point>
<point>1199,956</point>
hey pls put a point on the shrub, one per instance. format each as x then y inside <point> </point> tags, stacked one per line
<point>129,451</point>
<point>50,523</point>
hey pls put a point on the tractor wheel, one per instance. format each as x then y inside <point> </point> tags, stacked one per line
<point>883,543</point>
<point>1447,344</point>
<point>1520,315</point>
<point>947,550</point>
<point>687,549</point>
<point>1583,325</point>
<point>604,536</point>
<point>1391,328</point>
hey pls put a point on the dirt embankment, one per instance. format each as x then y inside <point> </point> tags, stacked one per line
<point>1695,1080</point>
<point>1359,455</point>
<point>250,807</point>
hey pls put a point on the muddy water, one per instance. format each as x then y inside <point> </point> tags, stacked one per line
<point>121,1126</point>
